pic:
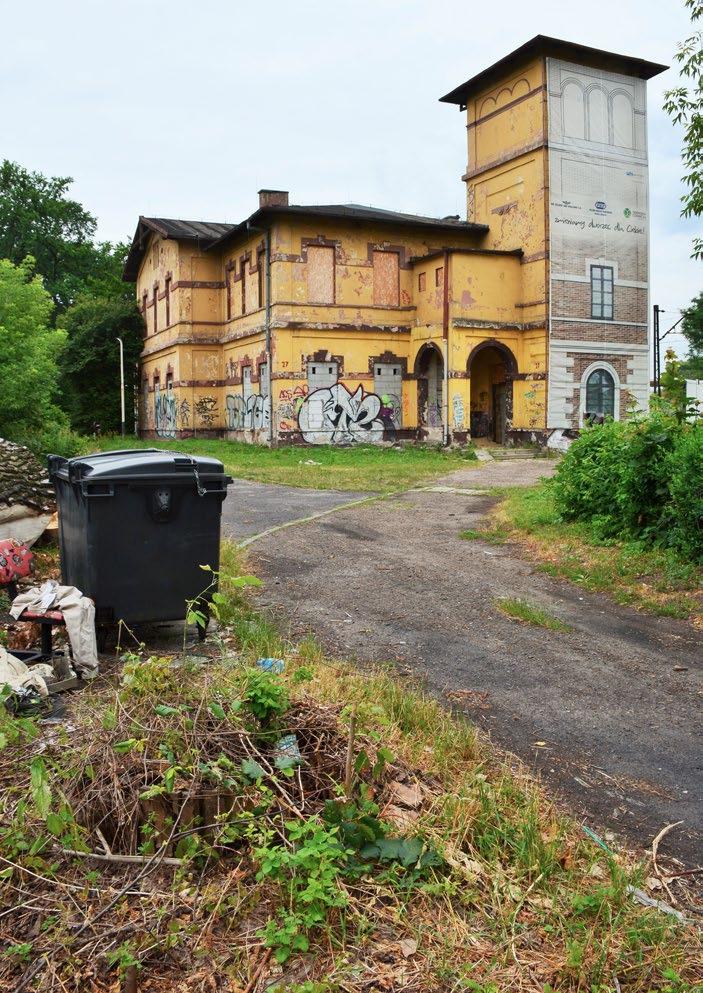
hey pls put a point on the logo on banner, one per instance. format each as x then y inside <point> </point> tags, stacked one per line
<point>600,205</point>
<point>627,212</point>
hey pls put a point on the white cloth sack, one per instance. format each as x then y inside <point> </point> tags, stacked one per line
<point>79,613</point>
<point>18,676</point>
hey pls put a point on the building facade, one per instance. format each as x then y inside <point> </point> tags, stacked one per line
<point>340,324</point>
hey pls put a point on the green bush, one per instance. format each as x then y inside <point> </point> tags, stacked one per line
<point>52,440</point>
<point>638,479</point>
<point>684,468</point>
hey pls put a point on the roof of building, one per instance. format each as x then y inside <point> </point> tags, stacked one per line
<point>210,235</point>
<point>204,232</point>
<point>557,48</point>
<point>355,212</point>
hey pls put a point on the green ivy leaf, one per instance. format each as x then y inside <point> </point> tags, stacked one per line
<point>39,784</point>
<point>54,825</point>
<point>252,770</point>
<point>165,711</point>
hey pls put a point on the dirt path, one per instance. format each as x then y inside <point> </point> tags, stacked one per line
<point>392,580</point>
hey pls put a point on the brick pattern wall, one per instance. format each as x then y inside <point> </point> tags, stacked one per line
<point>598,332</point>
<point>573,299</point>
<point>581,362</point>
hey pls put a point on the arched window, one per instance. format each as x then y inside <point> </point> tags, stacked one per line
<point>572,111</point>
<point>623,121</point>
<point>597,115</point>
<point>600,395</point>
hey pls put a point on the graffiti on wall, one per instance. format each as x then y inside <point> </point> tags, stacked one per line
<point>458,411</point>
<point>165,412</point>
<point>333,415</point>
<point>206,409</point>
<point>391,410</point>
<point>250,413</point>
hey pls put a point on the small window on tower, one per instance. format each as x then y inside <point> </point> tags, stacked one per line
<point>439,275</point>
<point>422,282</point>
<point>602,292</point>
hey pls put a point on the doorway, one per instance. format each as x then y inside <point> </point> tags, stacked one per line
<point>492,368</point>
<point>429,371</point>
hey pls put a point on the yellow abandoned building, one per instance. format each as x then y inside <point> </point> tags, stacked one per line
<point>335,324</point>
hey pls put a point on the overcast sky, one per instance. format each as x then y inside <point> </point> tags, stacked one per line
<point>186,109</point>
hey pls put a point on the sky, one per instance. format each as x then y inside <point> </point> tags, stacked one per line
<point>186,109</point>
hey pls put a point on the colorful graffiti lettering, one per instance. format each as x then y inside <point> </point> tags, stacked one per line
<point>184,413</point>
<point>206,409</point>
<point>391,411</point>
<point>294,394</point>
<point>335,416</point>
<point>458,411</point>
<point>165,412</point>
<point>247,414</point>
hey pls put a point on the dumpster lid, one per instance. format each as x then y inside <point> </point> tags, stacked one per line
<point>131,463</point>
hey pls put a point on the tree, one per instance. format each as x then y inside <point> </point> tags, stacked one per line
<point>38,218</point>
<point>692,328</point>
<point>29,348</point>
<point>673,382</point>
<point>685,106</point>
<point>90,371</point>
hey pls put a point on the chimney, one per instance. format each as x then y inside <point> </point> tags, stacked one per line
<point>273,198</point>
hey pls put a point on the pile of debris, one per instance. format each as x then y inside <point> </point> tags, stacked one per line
<point>26,496</point>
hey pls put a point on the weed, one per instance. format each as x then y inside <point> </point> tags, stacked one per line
<point>265,694</point>
<point>308,870</point>
<point>494,536</point>
<point>520,610</point>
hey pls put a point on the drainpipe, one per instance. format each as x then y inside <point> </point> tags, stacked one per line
<point>445,339</point>
<point>267,321</point>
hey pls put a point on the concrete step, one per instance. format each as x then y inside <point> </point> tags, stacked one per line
<point>502,454</point>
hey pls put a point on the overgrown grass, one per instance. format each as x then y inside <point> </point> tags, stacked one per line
<point>653,579</point>
<point>520,610</point>
<point>362,468</point>
<point>479,884</point>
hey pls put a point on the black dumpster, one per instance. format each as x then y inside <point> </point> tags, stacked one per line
<point>135,527</point>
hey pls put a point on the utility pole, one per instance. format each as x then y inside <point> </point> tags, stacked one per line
<point>122,384</point>
<point>657,356</point>
<point>658,339</point>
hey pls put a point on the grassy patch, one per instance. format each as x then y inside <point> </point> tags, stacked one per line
<point>362,468</point>
<point>494,536</point>
<point>427,862</point>
<point>520,610</point>
<point>656,580</point>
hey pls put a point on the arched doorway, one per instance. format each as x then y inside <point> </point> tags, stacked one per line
<point>429,372</point>
<point>492,368</point>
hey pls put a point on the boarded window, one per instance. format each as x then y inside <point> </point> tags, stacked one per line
<point>322,375</point>
<point>439,276</point>
<point>264,379</point>
<point>260,277</point>
<point>168,301</point>
<point>388,386</point>
<point>386,274</point>
<point>422,282</point>
<point>246,382</point>
<point>320,274</point>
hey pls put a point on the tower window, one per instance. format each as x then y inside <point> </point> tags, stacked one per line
<point>602,292</point>
<point>600,395</point>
